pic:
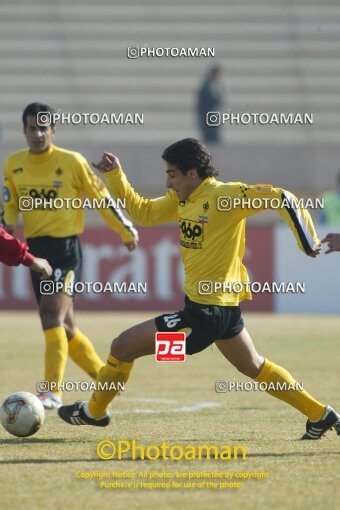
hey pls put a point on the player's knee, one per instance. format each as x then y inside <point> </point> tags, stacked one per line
<point>50,318</point>
<point>70,330</point>
<point>251,368</point>
<point>121,348</point>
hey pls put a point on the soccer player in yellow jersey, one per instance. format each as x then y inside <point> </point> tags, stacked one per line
<point>44,171</point>
<point>212,236</point>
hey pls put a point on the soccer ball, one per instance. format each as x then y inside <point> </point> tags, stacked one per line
<point>22,414</point>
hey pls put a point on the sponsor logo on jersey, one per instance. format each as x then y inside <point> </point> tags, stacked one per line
<point>191,230</point>
<point>43,193</point>
<point>18,170</point>
<point>46,193</point>
<point>191,234</point>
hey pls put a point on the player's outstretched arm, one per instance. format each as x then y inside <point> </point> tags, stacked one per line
<point>144,211</point>
<point>333,241</point>
<point>300,222</point>
<point>288,206</point>
<point>95,189</point>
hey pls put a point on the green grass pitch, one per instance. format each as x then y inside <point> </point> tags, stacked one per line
<point>163,402</point>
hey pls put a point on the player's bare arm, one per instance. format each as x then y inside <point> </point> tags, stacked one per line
<point>107,163</point>
<point>42,266</point>
<point>333,241</point>
<point>316,252</point>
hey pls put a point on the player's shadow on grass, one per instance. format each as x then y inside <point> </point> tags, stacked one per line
<point>46,461</point>
<point>292,454</point>
<point>130,459</point>
<point>36,441</point>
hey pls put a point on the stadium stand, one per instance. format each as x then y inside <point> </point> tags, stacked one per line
<point>276,58</point>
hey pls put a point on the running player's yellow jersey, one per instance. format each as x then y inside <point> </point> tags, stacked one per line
<point>212,225</point>
<point>57,176</point>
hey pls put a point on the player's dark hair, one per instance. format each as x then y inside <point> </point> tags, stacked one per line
<point>35,108</point>
<point>190,153</point>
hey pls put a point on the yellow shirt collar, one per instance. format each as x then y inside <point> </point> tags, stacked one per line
<point>200,188</point>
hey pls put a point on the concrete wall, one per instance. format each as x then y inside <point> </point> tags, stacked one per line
<point>306,169</point>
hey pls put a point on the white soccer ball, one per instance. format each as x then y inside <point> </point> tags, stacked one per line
<point>22,414</point>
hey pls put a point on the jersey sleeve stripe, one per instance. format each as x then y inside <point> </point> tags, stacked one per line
<point>126,223</point>
<point>299,223</point>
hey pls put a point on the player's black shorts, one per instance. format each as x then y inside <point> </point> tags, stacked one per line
<point>64,255</point>
<point>207,323</point>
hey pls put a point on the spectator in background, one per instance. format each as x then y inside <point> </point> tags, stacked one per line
<point>211,96</point>
<point>330,215</point>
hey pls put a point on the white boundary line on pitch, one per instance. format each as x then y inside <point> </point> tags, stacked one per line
<point>183,409</point>
<point>151,400</point>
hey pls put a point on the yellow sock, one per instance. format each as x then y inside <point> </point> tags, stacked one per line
<point>298,398</point>
<point>83,354</point>
<point>114,371</point>
<point>55,356</point>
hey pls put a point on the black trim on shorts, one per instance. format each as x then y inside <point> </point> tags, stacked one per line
<point>64,255</point>
<point>207,323</point>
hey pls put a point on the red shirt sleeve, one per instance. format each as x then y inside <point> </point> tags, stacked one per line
<point>13,252</point>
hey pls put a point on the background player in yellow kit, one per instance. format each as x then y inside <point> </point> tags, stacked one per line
<point>49,172</point>
<point>212,247</point>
